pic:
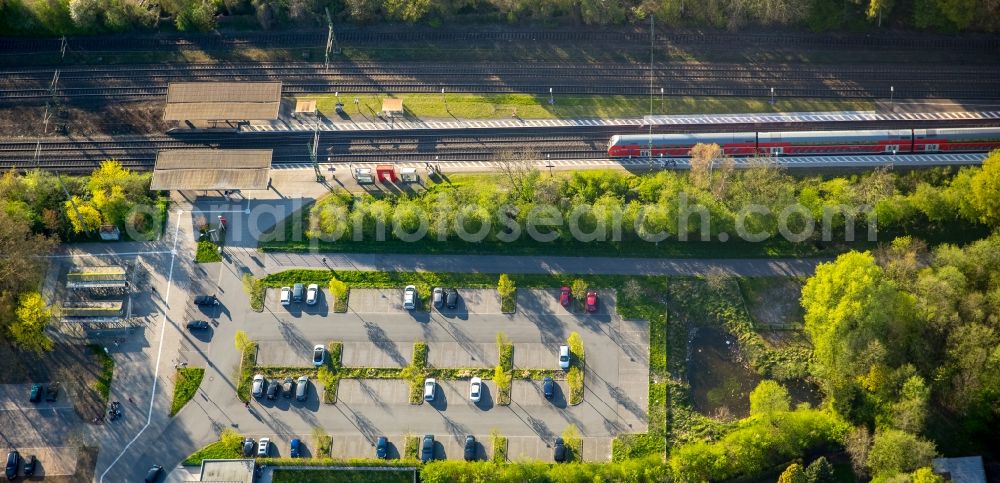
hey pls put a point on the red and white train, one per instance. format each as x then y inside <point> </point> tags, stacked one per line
<point>810,142</point>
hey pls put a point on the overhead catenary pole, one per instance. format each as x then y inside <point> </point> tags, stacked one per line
<point>331,41</point>
<point>652,38</point>
<point>72,203</point>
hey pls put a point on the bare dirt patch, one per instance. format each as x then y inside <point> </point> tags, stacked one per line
<point>773,302</point>
<point>135,118</point>
<point>75,367</point>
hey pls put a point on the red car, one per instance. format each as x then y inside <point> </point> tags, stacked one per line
<point>591,301</point>
<point>564,296</point>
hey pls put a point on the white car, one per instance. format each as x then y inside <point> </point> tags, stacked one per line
<point>564,357</point>
<point>430,387</point>
<point>475,389</point>
<point>312,293</point>
<point>319,355</point>
<point>258,385</point>
<point>263,447</point>
<point>286,295</point>
<point>410,297</point>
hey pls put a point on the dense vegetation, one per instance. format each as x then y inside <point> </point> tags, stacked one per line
<point>57,17</point>
<point>653,212</point>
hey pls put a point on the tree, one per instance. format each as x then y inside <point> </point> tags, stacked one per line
<point>858,444</point>
<point>768,399</point>
<point>632,290</point>
<point>894,451</point>
<point>242,340</point>
<point>985,194</point>
<point>579,289</point>
<point>820,471</point>
<point>925,475</point>
<point>909,413</point>
<point>338,288</point>
<point>793,474</point>
<point>505,286</point>
<point>850,308</point>
<point>83,216</point>
<point>518,174</point>
<point>31,317</point>
<point>703,160</point>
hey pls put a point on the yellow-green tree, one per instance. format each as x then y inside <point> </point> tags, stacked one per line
<point>83,216</point>
<point>985,194</point>
<point>768,399</point>
<point>793,474</point>
<point>31,317</point>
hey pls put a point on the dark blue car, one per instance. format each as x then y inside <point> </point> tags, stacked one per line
<point>382,448</point>
<point>296,448</point>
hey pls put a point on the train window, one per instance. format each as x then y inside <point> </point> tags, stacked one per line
<point>777,150</point>
<point>892,148</point>
<point>644,153</point>
<point>931,147</point>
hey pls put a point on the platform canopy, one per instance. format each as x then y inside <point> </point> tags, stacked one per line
<point>222,101</point>
<point>211,169</point>
<point>97,277</point>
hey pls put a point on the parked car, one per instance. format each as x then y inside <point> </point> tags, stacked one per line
<point>13,462</point>
<point>427,449</point>
<point>259,383</point>
<point>382,448</point>
<point>206,300</point>
<point>560,451</point>
<point>475,389</point>
<point>296,448</point>
<point>437,297</point>
<point>470,448</point>
<point>153,474</point>
<point>36,393</point>
<point>263,447</point>
<point>248,446</point>
<point>564,357</point>
<point>287,387</point>
<point>319,355</point>
<point>286,295</point>
<point>565,296</point>
<point>302,389</point>
<point>298,292</point>
<point>272,389</point>
<point>548,387</point>
<point>52,392</point>
<point>592,301</point>
<point>410,297</point>
<point>430,386</point>
<point>197,325</point>
<point>312,294</point>
<point>30,463</point>
<point>452,298</point>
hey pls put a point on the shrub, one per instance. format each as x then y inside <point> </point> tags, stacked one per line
<point>579,290</point>
<point>508,294</point>
<point>411,447</point>
<point>227,447</point>
<point>502,379</point>
<point>208,252</point>
<point>573,441</point>
<point>247,363</point>
<point>575,380</point>
<point>322,441</point>
<point>254,288</point>
<point>498,443</point>
<point>340,292</point>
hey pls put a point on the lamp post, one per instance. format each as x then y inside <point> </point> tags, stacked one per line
<point>892,95</point>
<point>548,164</point>
<point>552,100</point>
<point>772,96</point>
<point>445,100</point>
<point>662,110</point>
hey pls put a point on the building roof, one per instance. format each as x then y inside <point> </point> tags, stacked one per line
<point>968,469</point>
<point>305,105</point>
<point>227,471</point>
<point>97,277</point>
<point>219,101</point>
<point>211,169</point>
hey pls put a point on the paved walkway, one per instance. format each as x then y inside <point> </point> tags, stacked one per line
<point>375,124</point>
<point>276,262</point>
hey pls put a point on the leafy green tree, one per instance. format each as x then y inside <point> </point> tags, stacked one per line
<point>894,451</point>
<point>909,413</point>
<point>985,194</point>
<point>338,288</point>
<point>925,475</point>
<point>768,399</point>
<point>820,471</point>
<point>579,289</point>
<point>505,286</point>
<point>31,318</point>
<point>793,474</point>
<point>850,305</point>
<point>242,340</point>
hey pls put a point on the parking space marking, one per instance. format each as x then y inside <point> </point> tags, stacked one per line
<point>380,353</point>
<point>380,392</point>
<point>461,354</point>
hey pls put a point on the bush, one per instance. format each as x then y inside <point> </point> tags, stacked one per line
<point>503,380</point>
<point>575,380</point>
<point>254,288</point>
<point>508,294</point>
<point>411,447</point>
<point>186,384</point>
<point>247,363</point>
<point>208,252</point>
<point>498,444</point>
<point>574,443</point>
<point>322,441</point>
<point>340,292</point>
<point>227,447</point>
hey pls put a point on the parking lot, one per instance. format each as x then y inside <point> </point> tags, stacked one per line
<point>378,332</point>
<point>43,429</point>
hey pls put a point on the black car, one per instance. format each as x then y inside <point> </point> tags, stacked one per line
<point>287,387</point>
<point>36,393</point>
<point>29,465</point>
<point>560,451</point>
<point>548,387</point>
<point>206,300</point>
<point>382,448</point>
<point>13,462</point>
<point>153,475</point>
<point>249,446</point>
<point>470,448</point>
<point>451,300</point>
<point>272,389</point>
<point>52,392</point>
<point>427,451</point>
<point>197,325</point>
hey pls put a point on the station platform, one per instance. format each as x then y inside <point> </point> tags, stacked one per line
<point>365,124</point>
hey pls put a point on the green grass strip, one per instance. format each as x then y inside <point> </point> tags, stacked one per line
<point>186,384</point>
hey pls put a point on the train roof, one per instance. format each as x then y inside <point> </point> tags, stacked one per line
<point>799,136</point>
<point>685,138</point>
<point>962,132</point>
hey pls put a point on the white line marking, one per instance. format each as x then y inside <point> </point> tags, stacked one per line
<point>153,252</point>
<point>159,353</point>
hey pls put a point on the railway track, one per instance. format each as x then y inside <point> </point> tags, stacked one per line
<point>351,35</point>
<point>681,79</point>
